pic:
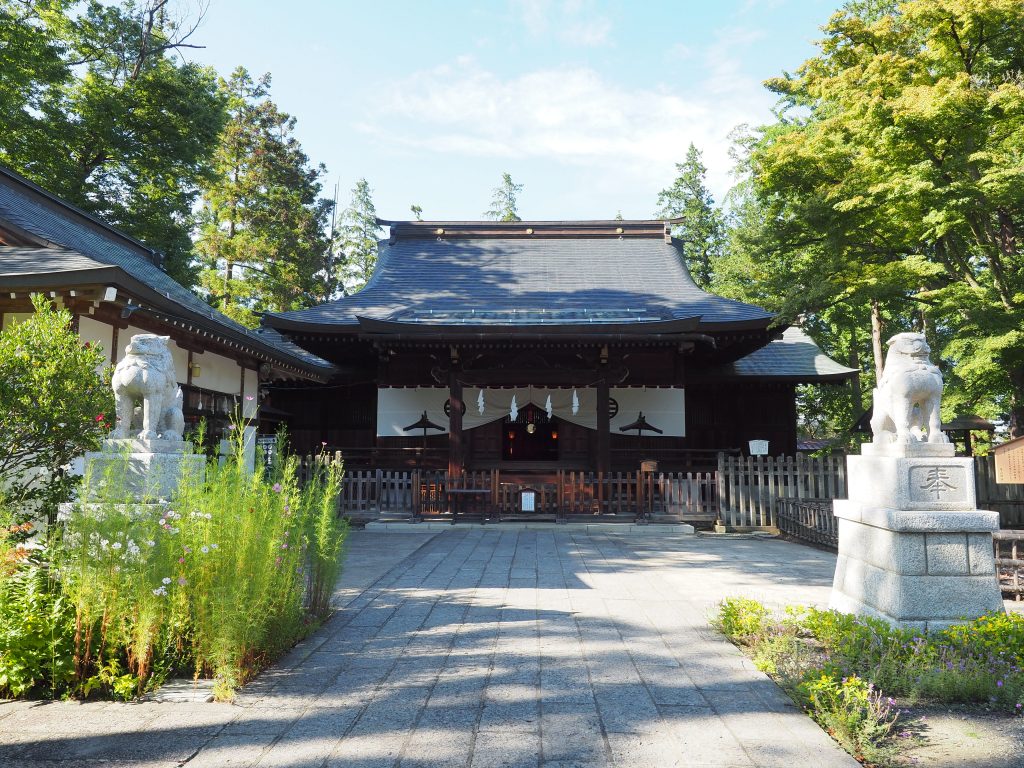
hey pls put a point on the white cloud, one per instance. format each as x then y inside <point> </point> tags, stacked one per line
<point>576,22</point>
<point>569,116</point>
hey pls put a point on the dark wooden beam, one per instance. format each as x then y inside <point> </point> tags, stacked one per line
<point>455,436</point>
<point>603,427</point>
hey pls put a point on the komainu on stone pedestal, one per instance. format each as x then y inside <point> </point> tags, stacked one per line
<point>913,549</point>
<point>145,456</point>
<point>146,375</point>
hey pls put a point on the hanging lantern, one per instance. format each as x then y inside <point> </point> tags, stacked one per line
<point>547,405</point>
<point>513,412</point>
<point>575,403</point>
<point>480,402</point>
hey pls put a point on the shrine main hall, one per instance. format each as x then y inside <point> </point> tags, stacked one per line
<point>531,347</point>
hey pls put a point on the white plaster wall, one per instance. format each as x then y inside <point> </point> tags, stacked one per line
<point>96,333</point>
<point>180,357</point>
<point>218,373</point>
<point>11,318</point>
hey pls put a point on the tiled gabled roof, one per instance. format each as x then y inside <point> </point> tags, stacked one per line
<point>795,357</point>
<point>79,241</point>
<point>539,279</point>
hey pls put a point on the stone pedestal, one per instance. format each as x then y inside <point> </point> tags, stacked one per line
<point>913,550</point>
<point>140,469</point>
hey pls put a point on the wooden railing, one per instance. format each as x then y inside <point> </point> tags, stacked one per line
<point>751,488</point>
<point>496,495</point>
<point>809,520</point>
<point>1009,551</point>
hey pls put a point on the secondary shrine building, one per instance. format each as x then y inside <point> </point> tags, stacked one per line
<point>538,346</point>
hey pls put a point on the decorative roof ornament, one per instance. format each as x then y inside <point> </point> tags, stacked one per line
<point>547,405</point>
<point>480,402</point>
<point>513,412</point>
<point>575,403</point>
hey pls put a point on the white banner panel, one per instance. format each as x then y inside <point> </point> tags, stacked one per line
<point>398,408</point>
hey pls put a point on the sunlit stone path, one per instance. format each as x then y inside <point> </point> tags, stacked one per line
<point>489,647</point>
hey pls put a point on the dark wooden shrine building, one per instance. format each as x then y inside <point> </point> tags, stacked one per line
<point>540,346</point>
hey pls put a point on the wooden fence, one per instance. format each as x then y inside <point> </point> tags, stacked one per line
<point>496,495</point>
<point>745,492</point>
<point>810,520</point>
<point>1009,551</point>
<point>1007,499</point>
<point>751,488</point>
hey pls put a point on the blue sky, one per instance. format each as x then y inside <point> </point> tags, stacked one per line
<point>588,104</point>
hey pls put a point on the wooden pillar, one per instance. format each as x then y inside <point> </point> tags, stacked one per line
<point>455,457</point>
<point>603,427</point>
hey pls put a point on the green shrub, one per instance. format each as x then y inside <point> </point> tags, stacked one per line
<point>741,619</point>
<point>854,713</point>
<point>37,627</point>
<point>55,404</point>
<point>216,581</point>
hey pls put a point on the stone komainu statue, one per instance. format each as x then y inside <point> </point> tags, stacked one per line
<point>147,374</point>
<point>907,400</point>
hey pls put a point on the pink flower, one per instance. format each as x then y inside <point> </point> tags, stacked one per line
<point>250,398</point>
<point>323,443</point>
<point>182,581</point>
<point>181,559</point>
<point>276,488</point>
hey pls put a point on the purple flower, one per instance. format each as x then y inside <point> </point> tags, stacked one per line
<point>231,427</point>
<point>999,683</point>
<point>182,581</point>
<point>276,488</point>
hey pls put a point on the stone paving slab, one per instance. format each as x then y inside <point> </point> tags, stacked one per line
<point>489,647</point>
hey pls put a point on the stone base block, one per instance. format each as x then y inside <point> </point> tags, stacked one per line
<point>923,578</point>
<point>139,475</point>
<point>912,483</point>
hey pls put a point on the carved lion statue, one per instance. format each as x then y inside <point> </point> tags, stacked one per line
<point>146,374</point>
<point>907,400</point>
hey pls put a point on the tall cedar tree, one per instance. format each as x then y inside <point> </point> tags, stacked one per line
<point>96,106</point>
<point>504,202</point>
<point>261,240</point>
<point>702,228</point>
<point>893,183</point>
<point>357,239</point>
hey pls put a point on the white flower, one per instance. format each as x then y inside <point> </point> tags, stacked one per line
<point>104,543</point>
<point>116,545</point>
<point>213,546</point>
<point>204,550</point>
<point>150,543</point>
<point>166,579</point>
<point>133,549</point>
<point>209,516</point>
<point>160,591</point>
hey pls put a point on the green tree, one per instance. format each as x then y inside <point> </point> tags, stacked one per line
<point>262,237</point>
<point>96,106</point>
<point>892,181</point>
<point>55,404</point>
<point>357,238</point>
<point>700,225</point>
<point>417,211</point>
<point>504,202</point>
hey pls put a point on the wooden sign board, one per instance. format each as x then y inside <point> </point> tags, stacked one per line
<point>1010,461</point>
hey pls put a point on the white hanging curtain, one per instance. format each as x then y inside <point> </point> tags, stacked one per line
<point>397,407</point>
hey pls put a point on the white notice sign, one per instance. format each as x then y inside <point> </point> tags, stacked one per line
<point>528,499</point>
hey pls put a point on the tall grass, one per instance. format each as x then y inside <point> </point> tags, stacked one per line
<point>216,581</point>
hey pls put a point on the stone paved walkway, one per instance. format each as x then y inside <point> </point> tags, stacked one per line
<point>490,648</point>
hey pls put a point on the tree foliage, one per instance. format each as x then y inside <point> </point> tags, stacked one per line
<point>96,106</point>
<point>701,226</point>
<point>357,239</point>
<point>505,200</point>
<point>891,185</point>
<point>55,404</point>
<point>261,239</point>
